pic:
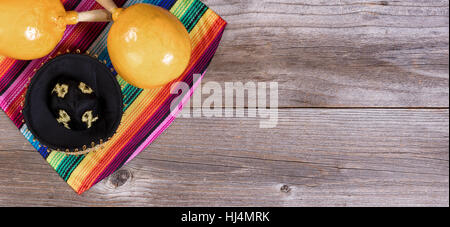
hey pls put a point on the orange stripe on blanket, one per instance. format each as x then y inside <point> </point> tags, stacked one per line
<point>5,65</point>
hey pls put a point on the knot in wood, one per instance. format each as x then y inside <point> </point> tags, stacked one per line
<point>120,177</point>
<point>285,188</point>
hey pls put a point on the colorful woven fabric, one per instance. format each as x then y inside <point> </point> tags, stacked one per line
<point>147,112</point>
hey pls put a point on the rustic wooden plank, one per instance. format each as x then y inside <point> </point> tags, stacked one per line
<point>338,53</point>
<point>314,157</point>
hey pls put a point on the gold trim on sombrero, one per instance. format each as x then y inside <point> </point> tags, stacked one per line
<point>61,90</point>
<point>88,118</point>
<point>77,152</point>
<point>85,89</point>
<point>64,118</point>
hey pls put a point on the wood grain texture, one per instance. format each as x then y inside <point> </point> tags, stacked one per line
<point>330,53</point>
<point>315,157</point>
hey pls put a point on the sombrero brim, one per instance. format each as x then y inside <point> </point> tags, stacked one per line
<point>40,119</point>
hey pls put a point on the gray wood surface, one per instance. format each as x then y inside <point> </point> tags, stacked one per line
<point>342,53</point>
<point>363,117</point>
<point>325,157</point>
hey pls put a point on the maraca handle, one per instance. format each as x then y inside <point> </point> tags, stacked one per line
<point>108,5</point>
<point>73,17</point>
<point>99,15</point>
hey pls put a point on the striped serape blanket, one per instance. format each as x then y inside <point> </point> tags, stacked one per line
<point>147,112</point>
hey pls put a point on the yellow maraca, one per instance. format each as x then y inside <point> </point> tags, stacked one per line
<point>148,46</point>
<point>31,29</point>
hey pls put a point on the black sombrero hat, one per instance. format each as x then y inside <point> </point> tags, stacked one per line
<point>73,104</point>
